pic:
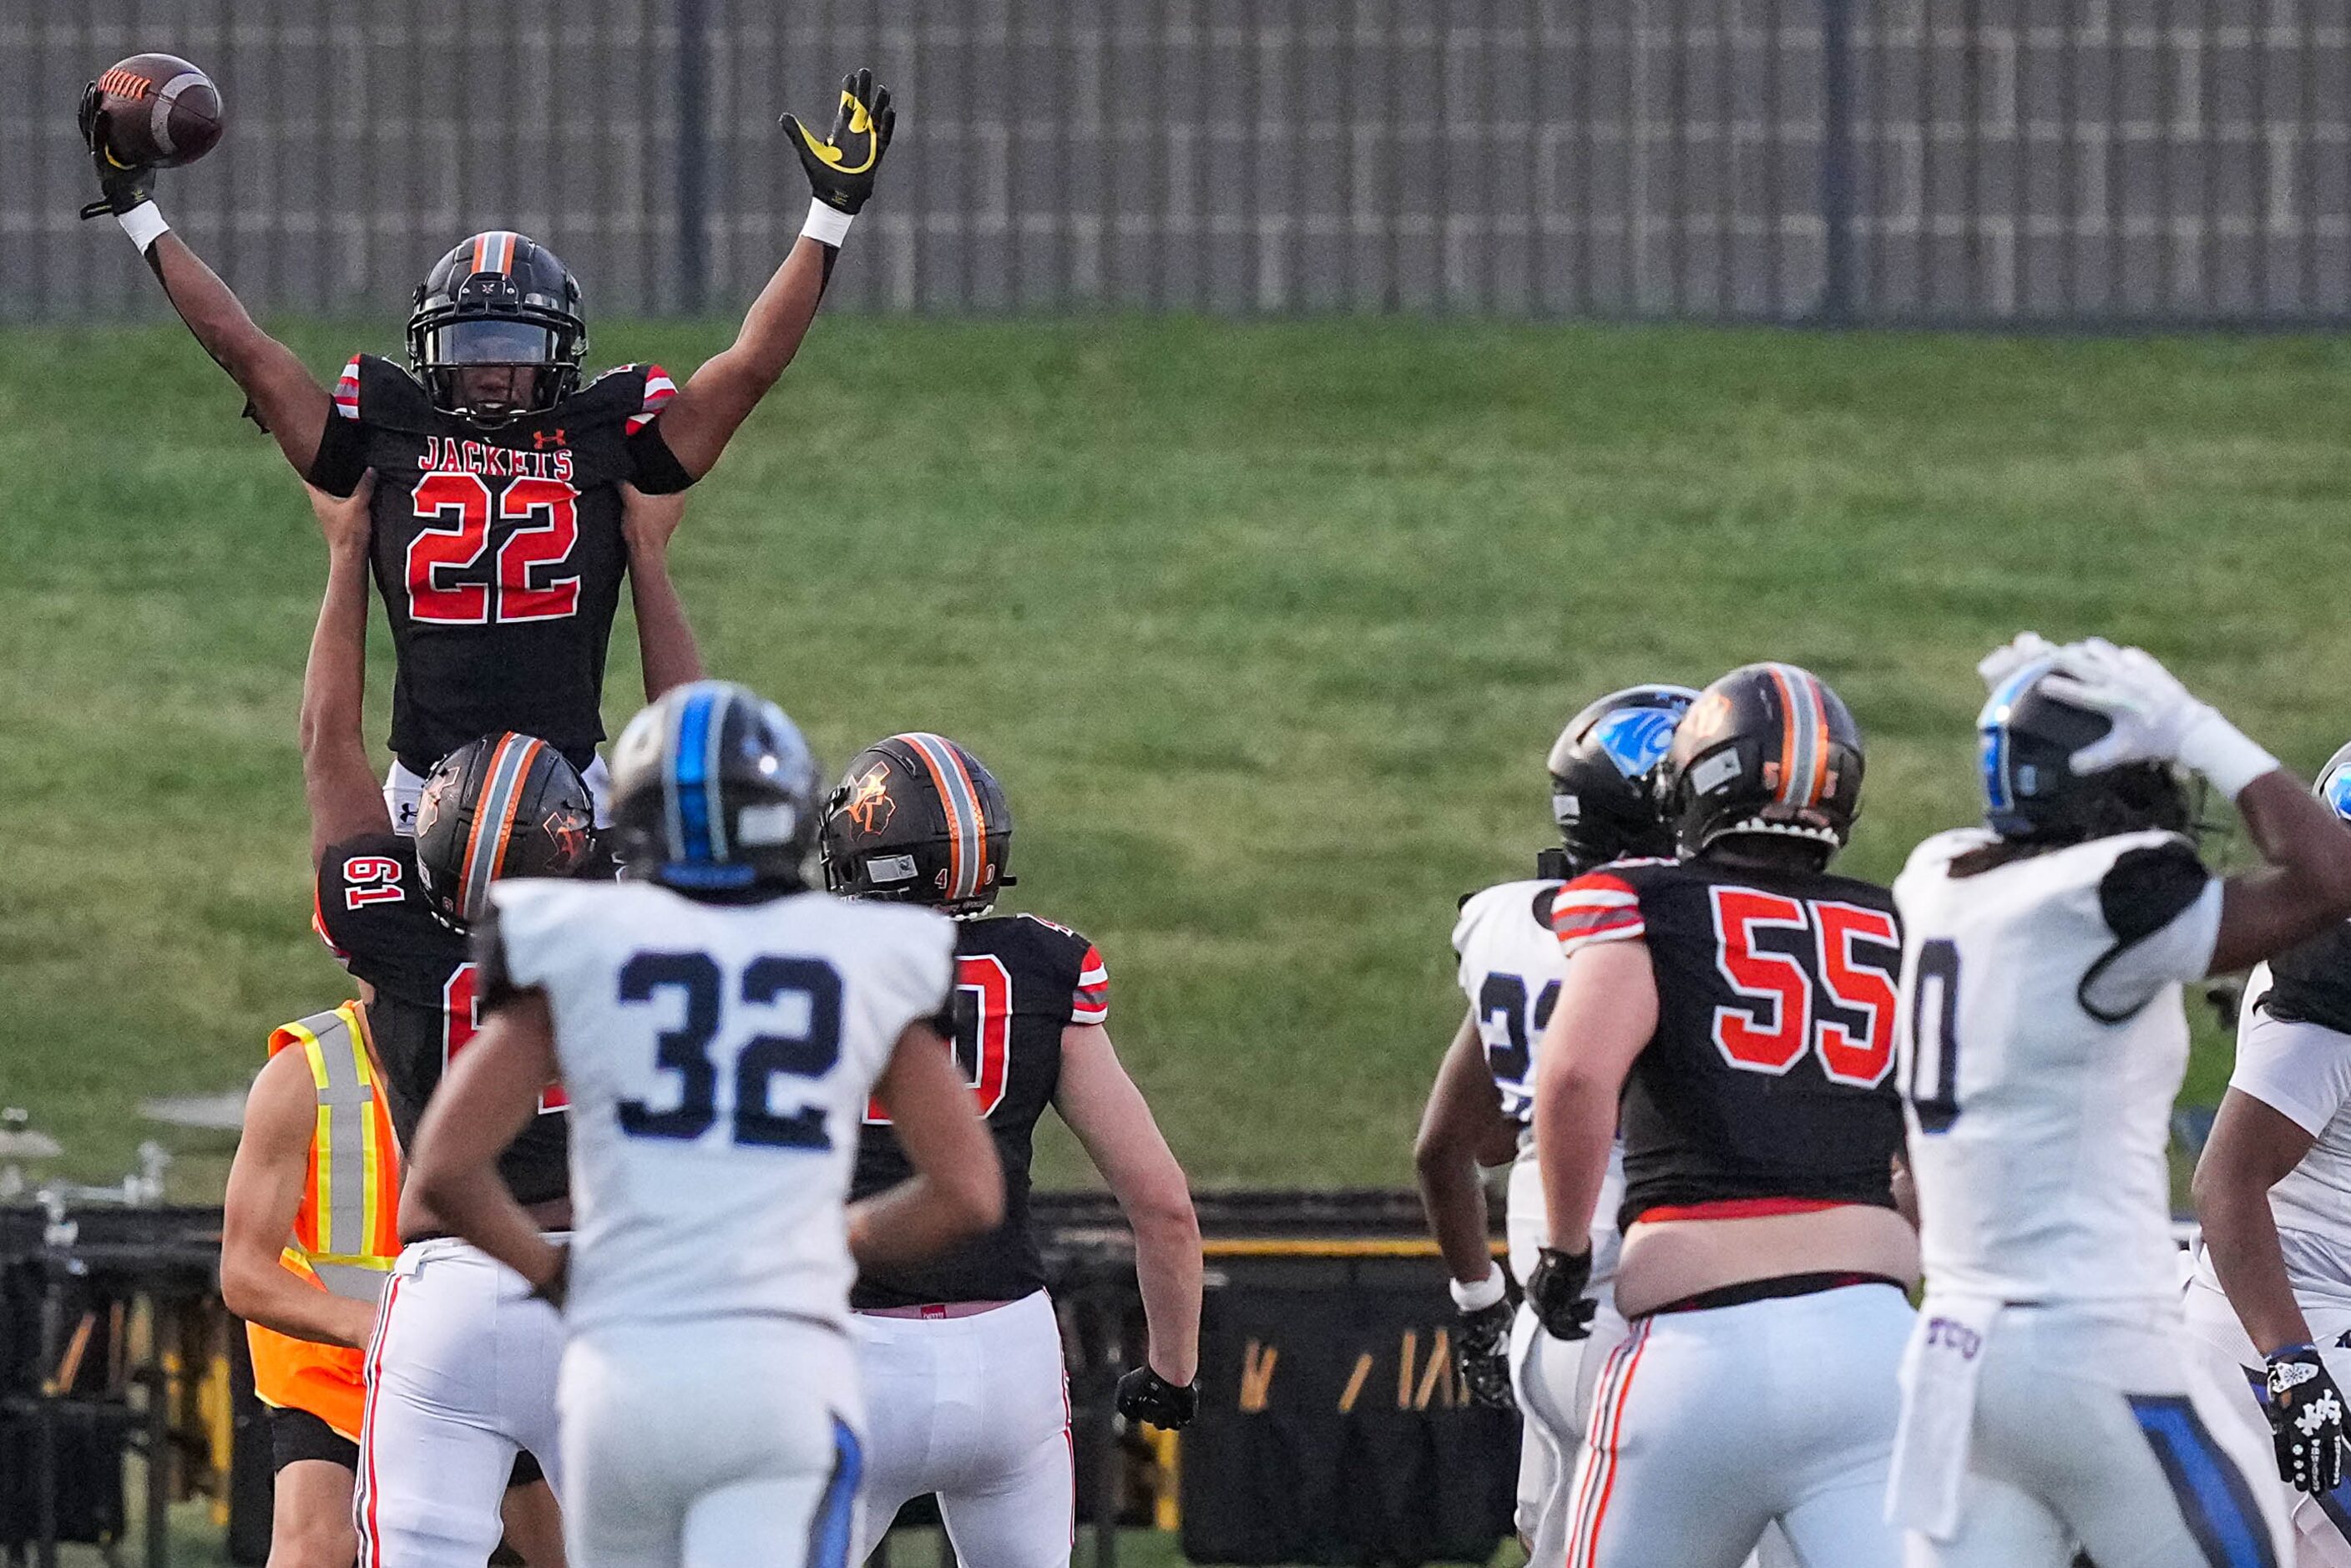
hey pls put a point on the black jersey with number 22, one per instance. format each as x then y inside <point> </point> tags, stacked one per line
<point>498,551</point>
<point>1019,981</point>
<point>1768,1084</point>
<point>371,913</point>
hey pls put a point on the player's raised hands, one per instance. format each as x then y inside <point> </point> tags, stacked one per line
<point>841,167</point>
<point>122,186</point>
<point>2012,655</point>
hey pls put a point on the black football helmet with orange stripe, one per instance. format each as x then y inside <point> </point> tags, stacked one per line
<point>499,298</point>
<point>1604,775</point>
<point>506,805</point>
<point>1769,750</point>
<point>918,819</point>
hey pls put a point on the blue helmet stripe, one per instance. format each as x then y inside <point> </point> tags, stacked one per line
<point>1992,728</point>
<point>689,771</point>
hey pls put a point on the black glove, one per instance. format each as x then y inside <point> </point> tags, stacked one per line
<point>841,168</point>
<point>1144,1396</point>
<point>1483,1351</point>
<point>2306,1419</point>
<point>1555,1292</point>
<point>122,186</point>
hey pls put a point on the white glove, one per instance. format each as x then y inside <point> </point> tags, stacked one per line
<point>2011,656</point>
<point>2155,718</point>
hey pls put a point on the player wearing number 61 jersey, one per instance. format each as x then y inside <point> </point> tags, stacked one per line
<point>1737,1005</point>
<point>961,1353</point>
<point>720,1028</point>
<point>2050,1401</point>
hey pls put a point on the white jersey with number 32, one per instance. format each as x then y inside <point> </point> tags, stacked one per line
<point>718,1057</point>
<point>2041,1042</point>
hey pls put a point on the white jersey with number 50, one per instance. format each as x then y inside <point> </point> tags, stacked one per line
<point>2041,1042</point>
<point>718,1057</point>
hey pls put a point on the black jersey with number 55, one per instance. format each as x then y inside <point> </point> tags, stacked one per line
<point>1767,1086</point>
<point>498,550</point>
<point>1019,981</point>
<point>372,914</point>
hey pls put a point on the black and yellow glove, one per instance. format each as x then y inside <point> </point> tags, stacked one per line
<point>122,186</point>
<point>841,167</point>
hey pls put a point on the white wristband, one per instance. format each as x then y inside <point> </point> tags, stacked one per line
<point>1477,1298</point>
<point>826,225</point>
<point>2223,753</point>
<point>144,225</point>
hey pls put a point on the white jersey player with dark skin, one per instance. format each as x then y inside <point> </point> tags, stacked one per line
<point>2051,1401</point>
<point>1601,769</point>
<point>720,1030</point>
<point>2274,1192</point>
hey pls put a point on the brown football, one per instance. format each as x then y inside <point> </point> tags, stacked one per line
<point>161,112</point>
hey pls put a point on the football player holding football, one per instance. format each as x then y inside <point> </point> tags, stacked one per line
<point>497,534</point>
<point>1603,772</point>
<point>1734,1010</point>
<point>962,1352</point>
<point>2051,1400</point>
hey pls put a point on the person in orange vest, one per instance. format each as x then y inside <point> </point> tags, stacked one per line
<point>308,1239</point>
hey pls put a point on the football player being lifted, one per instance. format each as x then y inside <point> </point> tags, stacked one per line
<point>2051,1399</point>
<point>961,1354</point>
<point>2274,1261</point>
<point>1739,1005</point>
<point>441,1435</point>
<point>497,543</point>
<point>1603,772</point>
<point>721,1029</point>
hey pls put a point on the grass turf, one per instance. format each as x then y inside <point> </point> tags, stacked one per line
<point>1265,628</point>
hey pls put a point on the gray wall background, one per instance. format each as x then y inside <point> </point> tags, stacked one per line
<point>2103,162</point>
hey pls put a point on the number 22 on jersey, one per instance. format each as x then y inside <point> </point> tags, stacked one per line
<point>1804,984</point>
<point>455,508</point>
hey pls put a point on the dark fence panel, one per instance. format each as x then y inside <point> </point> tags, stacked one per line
<point>2067,162</point>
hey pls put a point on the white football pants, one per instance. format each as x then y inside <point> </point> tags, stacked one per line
<point>711,1443</point>
<point>2100,1431</point>
<point>402,789</point>
<point>460,1375</point>
<point>1707,1426</point>
<point>2322,1526</point>
<point>976,1409</point>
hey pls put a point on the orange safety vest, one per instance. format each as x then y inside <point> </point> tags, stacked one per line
<point>347,1232</point>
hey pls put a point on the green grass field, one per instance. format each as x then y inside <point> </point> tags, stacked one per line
<point>1265,628</point>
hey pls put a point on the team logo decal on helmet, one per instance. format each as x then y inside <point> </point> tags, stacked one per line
<point>868,805</point>
<point>506,805</point>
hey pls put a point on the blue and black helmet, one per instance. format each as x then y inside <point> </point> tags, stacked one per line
<point>714,790</point>
<point>2334,785</point>
<point>2026,738</point>
<point>1604,774</point>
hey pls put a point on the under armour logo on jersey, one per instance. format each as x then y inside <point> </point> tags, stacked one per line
<point>2323,1411</point>
<point>540,440</point>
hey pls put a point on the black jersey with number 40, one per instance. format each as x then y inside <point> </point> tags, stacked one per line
<point>498,551</point>
<point>371,913</point>
<point>1768,1084</point>
<point>1019,981</point>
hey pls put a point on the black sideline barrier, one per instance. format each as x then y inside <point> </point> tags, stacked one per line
<point>1332,1427</point>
